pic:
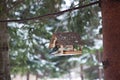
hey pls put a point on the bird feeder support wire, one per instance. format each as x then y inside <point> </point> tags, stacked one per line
<point>50,14</point>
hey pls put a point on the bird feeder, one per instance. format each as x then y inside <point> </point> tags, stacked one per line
<point>65,43</point>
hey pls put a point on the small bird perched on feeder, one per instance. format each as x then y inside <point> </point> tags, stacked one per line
<point>54,50</point>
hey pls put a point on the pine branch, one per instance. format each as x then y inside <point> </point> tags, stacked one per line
<point>15,4</point>
<point>50,14</point>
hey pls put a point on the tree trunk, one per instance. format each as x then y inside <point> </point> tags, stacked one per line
<point>36,76</point>
<point>111,38</point>
<point>4,56</point>
<point>81,72</point>
<point>28,76</point>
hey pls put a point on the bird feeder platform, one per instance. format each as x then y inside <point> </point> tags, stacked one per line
<point>65,43</point>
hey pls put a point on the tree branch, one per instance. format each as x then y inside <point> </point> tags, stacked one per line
<point>50,14</point>
<point>16,3</point>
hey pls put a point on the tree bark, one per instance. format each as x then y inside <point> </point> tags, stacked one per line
<point>111,38</point>
<point>4,56</point>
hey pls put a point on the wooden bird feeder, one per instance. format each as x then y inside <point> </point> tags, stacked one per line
<point>66,43</point>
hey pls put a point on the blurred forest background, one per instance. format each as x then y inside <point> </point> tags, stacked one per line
<point>29,40</point>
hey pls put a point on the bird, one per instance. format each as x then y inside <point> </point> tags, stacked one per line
<point>54,50</point>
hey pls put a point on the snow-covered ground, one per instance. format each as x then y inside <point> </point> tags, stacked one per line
<point>73,75</point>
<point>18,77</point>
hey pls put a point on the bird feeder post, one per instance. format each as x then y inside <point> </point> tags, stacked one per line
<point>61,50</point>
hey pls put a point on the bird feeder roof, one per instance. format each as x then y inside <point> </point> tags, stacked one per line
<point>66,38</point>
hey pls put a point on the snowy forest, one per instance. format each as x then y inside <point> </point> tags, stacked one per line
<point>26,29</point>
